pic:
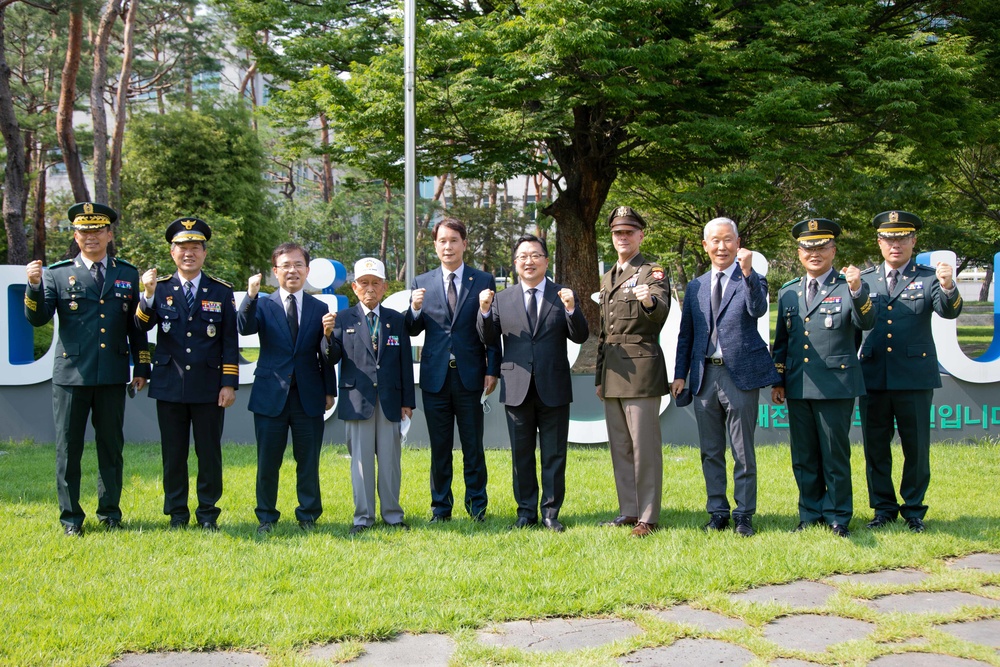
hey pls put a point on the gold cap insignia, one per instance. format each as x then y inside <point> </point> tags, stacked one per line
<point>88,208</point>
<point>622,211</point>
<point>188,224</point>
<point>894,216</point>
<point>813,225</point>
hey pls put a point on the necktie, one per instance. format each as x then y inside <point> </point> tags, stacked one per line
<point>615,272</point>
<point>716,305</point>
<point>292,312</point>
<point>373,329</point>
<point>532,309</point>
<point>893,275</point>
<point>452,295</point>
<point>99,276</point>
<point>189,295</point>
<point>811,292</point>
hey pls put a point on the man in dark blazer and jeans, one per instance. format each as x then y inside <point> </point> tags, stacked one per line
<point>535,318</point>
<point>728,362</point>
<point>455,368</point>
<point>293,385</point>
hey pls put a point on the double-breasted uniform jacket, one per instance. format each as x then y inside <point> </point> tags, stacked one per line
<point>541,353</point>
<point>630,363</point>
<point>899,352</point>
<point>368,377</point>
<point>97,330</point>
<point>814,347</point>
<point>197,352</point>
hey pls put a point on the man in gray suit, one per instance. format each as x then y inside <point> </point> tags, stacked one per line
<point>728,362</point>
<point>534,318</point>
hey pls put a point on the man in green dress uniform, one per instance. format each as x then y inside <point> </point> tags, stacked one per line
<point>899,362</point>
<point>814,353</point>
<point>95,296</point>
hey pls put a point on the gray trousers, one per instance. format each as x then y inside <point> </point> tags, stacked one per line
<point>368,440</point>
<point>720,408</point>
<point>636,455</point>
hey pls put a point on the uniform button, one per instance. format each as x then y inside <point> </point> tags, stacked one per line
<point>103,346</point>
<point>102,316</point>
<point>843,366</point>
<point>924,354</point>
<point>805,347</point>
<point>64,355</point>
<point>188,350</point>
<point>375,385</point>
<point>806,333</point>
<point>189,334</point>
<point>888,349</point>
<point>890,307</point>
<point>377,367</point>
<point>187,368</point>
<point>807,319</point>
<point>190,319</point>
<point>806,360</point>
<point>889,322</point>
<point>888,335</point>
<point>101,301</point>
<point>103,331</point>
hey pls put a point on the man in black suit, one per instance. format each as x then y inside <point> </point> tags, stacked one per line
<point>95,296</point>
<point>195,369</point>
<point>535,318</point>
<point>456,369</point>
<point>293,384</point>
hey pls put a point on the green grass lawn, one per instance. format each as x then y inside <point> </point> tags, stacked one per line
<point>85,601</point>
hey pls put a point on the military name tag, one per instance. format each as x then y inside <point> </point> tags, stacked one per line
<point>165,325</point>
<point>210,330</point>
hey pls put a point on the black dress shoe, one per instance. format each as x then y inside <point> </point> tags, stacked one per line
<point>112,524</point>
<point>807,524</point>
<point>177,524</point>
<point>440,518</point>
<point>718,522</point>
<point>915,525</point>
<point>880,521</point>
<point>554,525</point>
<point>523,522</point>
<point>358,529</point>
<point>744,525</point>
<point>209,526</point>
<point>307,525</point>
<point>265,527</point>
<point>72,530</point>
<point>620,520</point>
<point>399,525</point>
<point>840,530</point>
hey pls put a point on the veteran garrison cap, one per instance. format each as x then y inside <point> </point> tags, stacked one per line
<point>815,232</point>
<point>625,216</point>
<point>88,215</point>
<point>183,230</point>
<point>894,224</point>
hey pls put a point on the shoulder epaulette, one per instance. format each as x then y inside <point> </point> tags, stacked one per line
<point>64,262</point>
<point>218,280</point>
<point>791,282</point>
<point>870,269</point>
<point>165,278</point>
<point>126,263</point>
<point>924,267</point>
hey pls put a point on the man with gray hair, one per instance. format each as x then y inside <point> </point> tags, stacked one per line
<point>718,327</point>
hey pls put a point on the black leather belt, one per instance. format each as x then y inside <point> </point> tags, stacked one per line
<point>714,361</point>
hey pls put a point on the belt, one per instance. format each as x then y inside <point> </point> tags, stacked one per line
<point>452,363</point>
<point>714,361</point>
<point>613,339</point>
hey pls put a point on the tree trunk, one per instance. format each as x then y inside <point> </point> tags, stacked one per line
<point>15,197</point>
<point>384,246</point>
<point>97,87</point>
<point>67,99</point>
<point>327,183</point>
<point>38,240</point>
<point>121,103</point>
<point>984,291</point>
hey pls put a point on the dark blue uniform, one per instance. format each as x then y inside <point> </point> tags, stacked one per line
<point>197,353</point>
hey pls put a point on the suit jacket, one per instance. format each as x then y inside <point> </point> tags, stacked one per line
<point>630,363</point>
<point>814,351</point>
<point>541,353</point>
<point>197,352</point>
<point>445,336</point>
<point>97,330</point>
<point>744,301</point>
<point>899,352</point>
<point>367,377</point>
<point>280,356</point>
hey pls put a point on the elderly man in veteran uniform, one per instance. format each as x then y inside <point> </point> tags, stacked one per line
<point>195,369</point>
<point>899,362</point>
<point>95,296</point>
<point>814,353</point>
<point>631,373</point>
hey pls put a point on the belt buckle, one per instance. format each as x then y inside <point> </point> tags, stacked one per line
<point>452,363</point>
<point>715,361</point>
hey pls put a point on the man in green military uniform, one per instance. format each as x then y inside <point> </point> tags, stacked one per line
<point>899,362</point>
<point>815,357</point>
<point>95,296</point>
<point>632,374</point>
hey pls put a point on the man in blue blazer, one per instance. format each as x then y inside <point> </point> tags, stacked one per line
<point>293,385</point>
<point>728,362</point>
<point>455,367</point>
<point>376,382</point>
<point>535,318</point>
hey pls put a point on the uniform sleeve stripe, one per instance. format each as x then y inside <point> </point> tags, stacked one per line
<point>142,316</point>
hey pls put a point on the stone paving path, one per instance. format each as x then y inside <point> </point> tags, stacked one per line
<point>807,623</point>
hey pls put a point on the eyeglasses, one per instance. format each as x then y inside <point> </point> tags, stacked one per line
<point>287,266</point>
<point>524,257</point>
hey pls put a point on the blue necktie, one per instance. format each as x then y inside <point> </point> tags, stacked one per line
<point>189,295</point>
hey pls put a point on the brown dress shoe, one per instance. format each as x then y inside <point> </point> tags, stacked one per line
<point>643,529</point>
<point>620,520</point>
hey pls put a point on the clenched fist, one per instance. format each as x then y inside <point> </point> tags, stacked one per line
<point>745,258</point>
<point>329,320</point>
<point>417,298</point>
<point>485,300</point>
<point>642,293</point>
<point>34,272</point>
<point>149,282</point>
<point>253,285</point>
<point>853,275</point>
<point>568,298</point>
<point>944,275</point>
